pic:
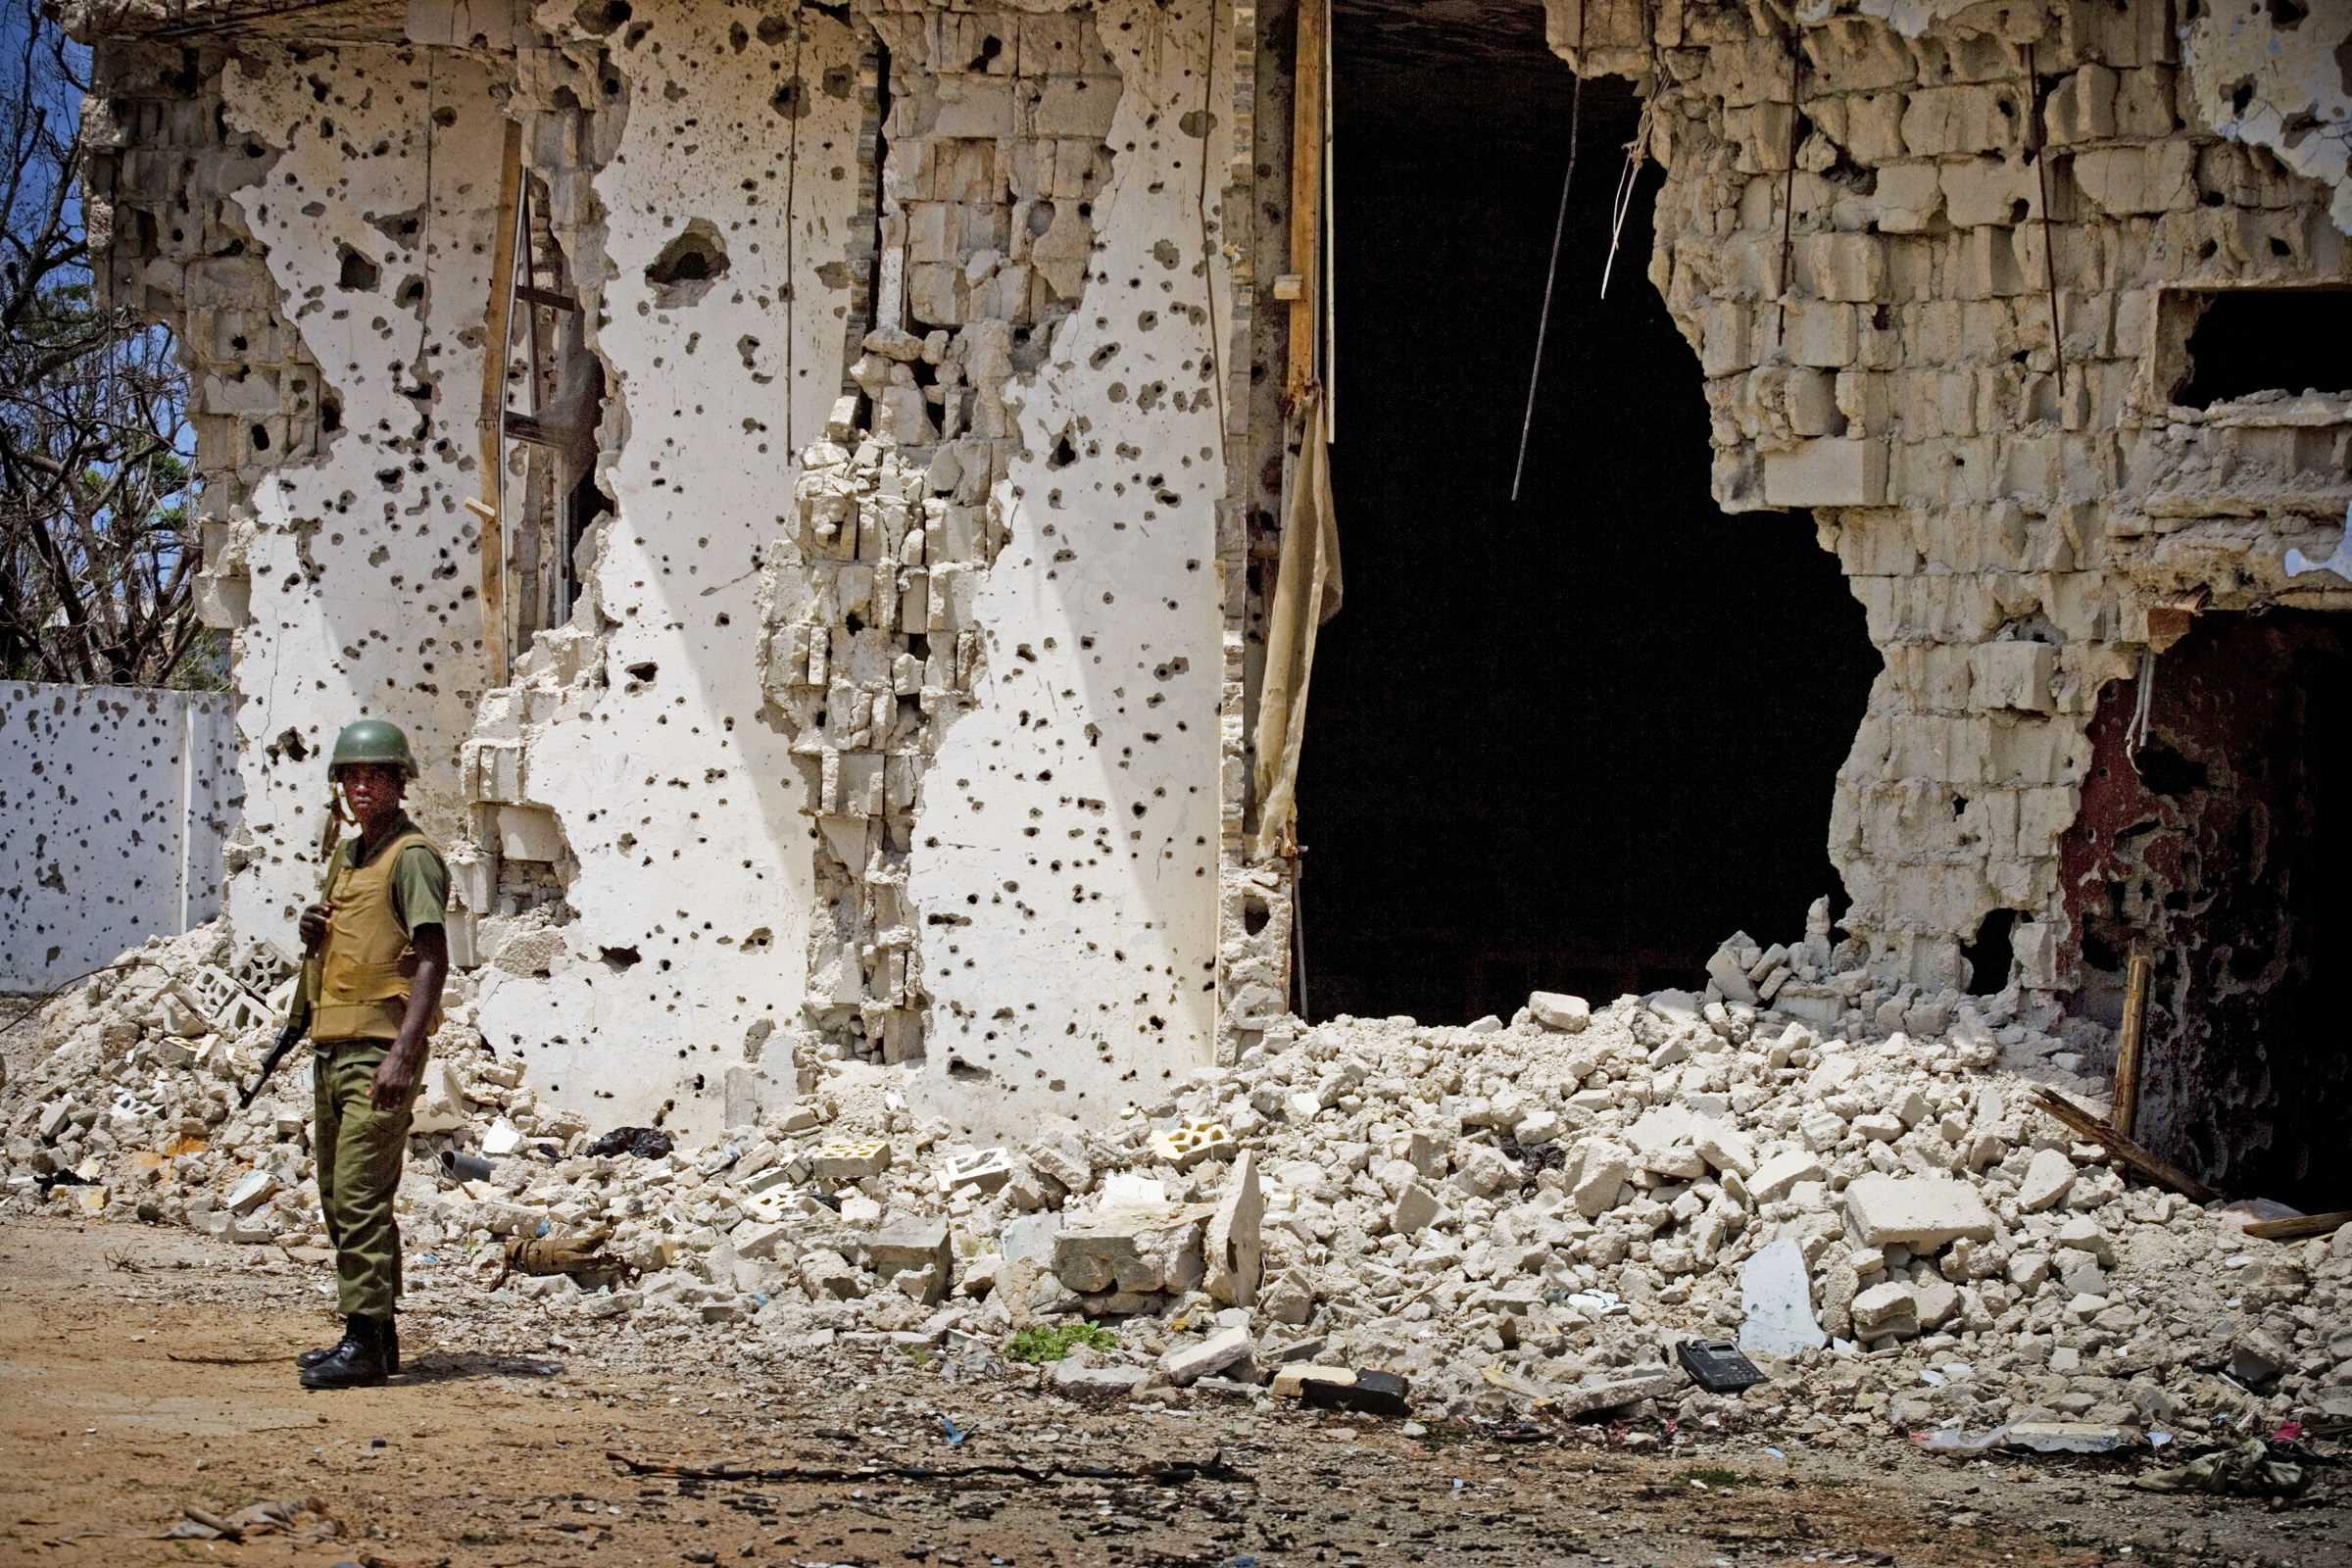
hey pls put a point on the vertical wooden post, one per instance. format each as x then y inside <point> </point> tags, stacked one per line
<point>492,509</point>
<point>1306,193</point>
<point>2128,1044</point>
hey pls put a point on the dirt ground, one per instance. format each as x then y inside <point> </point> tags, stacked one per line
<point>147,1370</point>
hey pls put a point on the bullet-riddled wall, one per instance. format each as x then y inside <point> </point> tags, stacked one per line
<point>878,716</point>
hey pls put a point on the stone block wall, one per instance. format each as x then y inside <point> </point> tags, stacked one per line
<point>1940,271</point>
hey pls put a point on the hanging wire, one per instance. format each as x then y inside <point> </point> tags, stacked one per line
<point>1622,202</point>
<point>1559,226</point>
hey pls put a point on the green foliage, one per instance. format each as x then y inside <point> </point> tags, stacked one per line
<point>1036,1343</point>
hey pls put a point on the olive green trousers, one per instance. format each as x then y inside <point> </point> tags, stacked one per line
<point>358,1151</point>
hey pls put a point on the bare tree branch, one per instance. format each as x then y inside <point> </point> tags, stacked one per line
<point>98,559</point>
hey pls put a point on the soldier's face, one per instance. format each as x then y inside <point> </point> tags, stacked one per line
<point>370,788</point>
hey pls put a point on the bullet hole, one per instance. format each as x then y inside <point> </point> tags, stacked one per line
<point>1138,809</point>
<point>1041,219</point>
<point>2241,96</point>
<point>837,82</point>
<point>1959,805</point>
<point>620,959</point>
<point>1197,122</point>
<point>960,1069</point>
<point>854,623</point>
<point>330,414</point>
<point>1062,455</point>
<point>1103,356</point>
<point>791,99</point>
<point>357,270</point>
<point>688,265</point>
<point>261,438</point>
<point>739,37</point>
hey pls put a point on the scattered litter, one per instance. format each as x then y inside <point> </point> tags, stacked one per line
<point>645,1143</point>
<point>2249,1469</point>
<point>1717,1365</point>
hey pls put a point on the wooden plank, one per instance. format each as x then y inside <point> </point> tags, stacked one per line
<point>545,296</point>
<point>2128,1044</point>
<point>498,320</point>
<point>540,433</point>
<point>1307,192</point>
<point>2075,1119</point>
<point>2288,1230</point>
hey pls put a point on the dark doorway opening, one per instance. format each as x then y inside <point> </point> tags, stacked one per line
<point>1576,742</point>
<point>2207,844</point>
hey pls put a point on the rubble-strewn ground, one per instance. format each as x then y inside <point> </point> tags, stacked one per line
<point>1523,1219</point>
<point>148,1368</point>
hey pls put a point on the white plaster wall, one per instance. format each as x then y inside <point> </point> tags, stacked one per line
<point>1071,816</point>
<point>365,563</point>
<point>115,802</point>
<point>681,808</point>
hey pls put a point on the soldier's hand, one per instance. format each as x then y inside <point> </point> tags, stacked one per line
<point>313,923</point>
<point>395,1076</point>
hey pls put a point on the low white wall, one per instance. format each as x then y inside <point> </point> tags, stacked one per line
<point>114,804</point>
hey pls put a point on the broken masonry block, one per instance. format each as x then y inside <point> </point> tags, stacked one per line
<point>907,1244</point>
<point>1416,1209</point>
<point>1190,1142</point>
<point>1776,1302</point>
<point>1070,1377</point>
<point>1291,1380</point>
<point>1922,1213</point>
<point>830,1275</point>
<point>1558,1011</point>
<point>1776,1176</point>
<point>1731,977</point>
<point>1144,1249</point>
<point>1725,1146</point>
<point>1185,1364</point>
<point>1233,1251</point>
<point>1060,1155</point>
<point>986,1170</point>
<point>250,1192</point>
<point>2047,1181</point>
<point>1886,1309</point>
<point>849,1162</point>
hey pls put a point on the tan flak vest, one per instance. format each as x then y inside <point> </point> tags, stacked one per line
<point>369,966</point>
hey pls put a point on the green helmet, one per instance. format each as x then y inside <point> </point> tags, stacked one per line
<point>371,740</point>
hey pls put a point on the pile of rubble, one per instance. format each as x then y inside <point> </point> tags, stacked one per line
<point>1514,1216</point>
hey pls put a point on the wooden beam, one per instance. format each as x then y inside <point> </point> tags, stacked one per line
<point>2076,1119</point>
<point>1307,192</point>
<point>2288,1230</point>
<point>2128,1045</point>
<point>498,320</point>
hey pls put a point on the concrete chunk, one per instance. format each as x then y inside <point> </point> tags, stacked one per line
<point>1923,1214</point>
<point>907,1244</point>
<point>2048,1179</point>
<point>1884,1309</point>
<point>1606,1169</point>
<point>1155,1247</point>
<point>1725,1146</point>
<point>1417,1208</point>
<point>1776,1302</point>
<point>1185,1364</point>
<point>1776,1176</point>
<point>1233,1255</point>
<point>1556,1010</point>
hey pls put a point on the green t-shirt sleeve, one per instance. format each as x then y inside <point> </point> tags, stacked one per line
<point>421,888</point>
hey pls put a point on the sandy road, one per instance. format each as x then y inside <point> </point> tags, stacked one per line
<point>143,1371</point>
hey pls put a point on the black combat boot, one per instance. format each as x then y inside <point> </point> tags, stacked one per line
<point>358,1363</point>
<point>310,1359</point>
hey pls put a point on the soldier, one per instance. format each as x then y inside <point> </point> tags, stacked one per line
<point>381,922</point>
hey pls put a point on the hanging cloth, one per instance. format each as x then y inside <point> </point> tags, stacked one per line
<point>1306,594</point>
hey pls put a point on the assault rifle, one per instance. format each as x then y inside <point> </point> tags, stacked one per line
<point>305,986</point>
